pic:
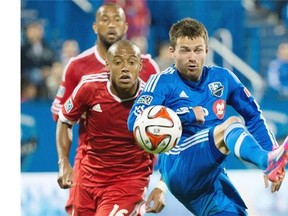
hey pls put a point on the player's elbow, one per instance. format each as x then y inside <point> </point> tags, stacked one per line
<point>130,123</point>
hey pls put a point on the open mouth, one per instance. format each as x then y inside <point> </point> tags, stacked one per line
<point>192,67</point>
<point>112,33</point>
<point>125,78</point>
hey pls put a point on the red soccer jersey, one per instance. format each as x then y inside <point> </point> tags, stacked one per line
<point>90,62</point>
<point>111,153</point>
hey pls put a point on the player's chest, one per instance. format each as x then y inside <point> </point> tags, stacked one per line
<point>212,97</point>
<point>101,111</point>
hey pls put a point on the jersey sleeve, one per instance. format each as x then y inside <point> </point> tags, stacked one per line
<point>68,83</point>
<point>76,104</point>
<point>243,102</point>
<point>146,98</point>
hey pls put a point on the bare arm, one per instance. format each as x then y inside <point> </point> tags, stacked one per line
<point>156,199</point>
<point>63,144</point>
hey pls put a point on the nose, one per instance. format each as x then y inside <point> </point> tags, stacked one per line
<point>111,23</point>
<point>192,57</point>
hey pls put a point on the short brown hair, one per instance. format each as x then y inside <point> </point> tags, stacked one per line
<point>187,27</point>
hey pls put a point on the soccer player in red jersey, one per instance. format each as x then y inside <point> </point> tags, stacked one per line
<point>110,26</point>
<point>114,173</point>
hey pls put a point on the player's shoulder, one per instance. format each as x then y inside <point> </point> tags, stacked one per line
<point>147,60</point>
<point>169,75</point>
<point>217,71</point>
<point>97,77</point>
<point>86,54</point>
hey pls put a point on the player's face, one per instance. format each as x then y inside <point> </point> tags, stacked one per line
<point>110,25</point>
<point>124,66</point>
<point>189,56</point>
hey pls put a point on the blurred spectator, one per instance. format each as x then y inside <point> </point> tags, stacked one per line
<point>37,56</point>
<point>164,59</point>
<point>28,90</point>
<point>70,48</point>
<point>277,73</point>
<point>53,81</point>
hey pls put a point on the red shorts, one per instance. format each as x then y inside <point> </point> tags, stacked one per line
<point>121,198</point>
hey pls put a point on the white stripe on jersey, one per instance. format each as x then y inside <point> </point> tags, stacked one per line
<point>187,143</point>
<point>151,85</point>
<point>81,55</point>
<point>101,77</point>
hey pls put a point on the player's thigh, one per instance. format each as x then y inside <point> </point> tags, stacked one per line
<point>123,199</point>
<point>83,203</point>
<point>219,132</point>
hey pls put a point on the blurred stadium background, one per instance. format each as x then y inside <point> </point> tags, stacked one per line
<point>244,36</point>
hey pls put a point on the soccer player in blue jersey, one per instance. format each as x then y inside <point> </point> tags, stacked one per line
<point>194,170</point>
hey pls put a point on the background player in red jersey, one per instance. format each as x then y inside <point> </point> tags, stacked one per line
<point>114,173</point>
<point>110,26</point>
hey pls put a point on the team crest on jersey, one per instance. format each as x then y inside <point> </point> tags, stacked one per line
<point>219,108</point>
<point>216,88</point>
<point>68,106</point>
<point>145,99</point>
<point>60,91</point>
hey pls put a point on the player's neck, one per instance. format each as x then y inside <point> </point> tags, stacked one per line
<point>124,93</point>
<point>102,50</point>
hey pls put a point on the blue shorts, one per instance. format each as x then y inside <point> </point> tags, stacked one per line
<point>194,173</point>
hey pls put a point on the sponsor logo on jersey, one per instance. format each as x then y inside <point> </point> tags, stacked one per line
<point>60,91</point>
<point>145,99</point>
<point>219,108</point>
<point>68,105</point>
<point>97,108</point>
<point>182,110</point>
<point>216,88</point>
<point>138,110</point>
<point>183,95</point>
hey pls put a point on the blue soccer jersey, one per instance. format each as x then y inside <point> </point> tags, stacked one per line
<point>190,170</point>
<point>217,88</point>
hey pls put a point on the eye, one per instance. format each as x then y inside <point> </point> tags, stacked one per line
<point>104,19</point>
<point>132,62</point>
<point>117,62</point>
<point>184,50</point>
<point>198,50</point>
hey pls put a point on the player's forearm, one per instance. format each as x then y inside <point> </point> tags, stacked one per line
<point>63,140</point>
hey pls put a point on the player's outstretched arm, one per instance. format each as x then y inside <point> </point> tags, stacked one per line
<point>156,199</point>
<point>63,144</point>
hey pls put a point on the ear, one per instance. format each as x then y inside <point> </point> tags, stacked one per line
<point>141,64</point>
<point>126,28</point>
<point>107,65</point>
<point>95,27</point>
<point>171,51</point>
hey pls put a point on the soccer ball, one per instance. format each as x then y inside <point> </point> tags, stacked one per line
<point>157,129</point>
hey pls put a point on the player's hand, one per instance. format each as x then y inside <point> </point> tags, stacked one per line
<point>199,114</point>
<point>275,186</point>
<point>65,175</point>
<point>156,201</point>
